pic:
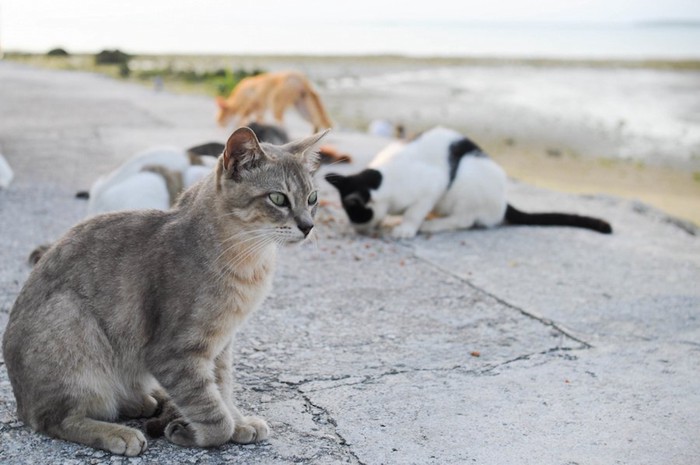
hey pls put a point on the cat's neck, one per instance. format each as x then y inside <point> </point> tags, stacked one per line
<point>237,251</point>
<point>250,265</point>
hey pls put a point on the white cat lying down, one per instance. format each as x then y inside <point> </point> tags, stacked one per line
<point>443,173</point>
<point>150,179</point>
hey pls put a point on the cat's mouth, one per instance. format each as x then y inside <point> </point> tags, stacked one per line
<point>290,235</point>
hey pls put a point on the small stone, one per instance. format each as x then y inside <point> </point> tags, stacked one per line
<point>291,379</point>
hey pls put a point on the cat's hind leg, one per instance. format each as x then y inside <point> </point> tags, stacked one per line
<point>447,223</point>
<point>112,437</point>
<point>167,412</point>
<point>65,381</point>
<point>143,398</point>
<point>143,407</point>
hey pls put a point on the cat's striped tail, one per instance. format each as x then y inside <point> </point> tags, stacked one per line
<point>517,217</point>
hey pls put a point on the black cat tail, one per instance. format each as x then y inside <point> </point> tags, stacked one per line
<point>517,217</point>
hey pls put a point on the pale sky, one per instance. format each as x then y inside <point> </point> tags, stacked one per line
<point>220,26</point>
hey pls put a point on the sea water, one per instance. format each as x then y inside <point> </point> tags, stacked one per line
<point>635,113</point>
<point>665,40</point>
<point>528,40</point>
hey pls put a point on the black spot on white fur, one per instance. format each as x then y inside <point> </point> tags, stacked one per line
<point>459,149</point>
<point>355,193</point>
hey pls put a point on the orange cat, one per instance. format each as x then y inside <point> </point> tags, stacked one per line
<point>251,98</point>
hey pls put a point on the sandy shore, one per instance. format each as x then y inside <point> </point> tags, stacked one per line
<point>672,190</point>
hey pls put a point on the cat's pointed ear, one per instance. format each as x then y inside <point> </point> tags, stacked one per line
<point>306,148</point>
<point>336,180</point>
<point>242,152</point>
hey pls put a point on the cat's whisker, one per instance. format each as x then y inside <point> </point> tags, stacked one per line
<point>246,233</point>
<point>236,244</point>
<point>254,234</point>
<point>246,254</point>
<point>334,163</point>
<point>313,239</point>
<point>256,247</point>
<point>232,267</point>
<point>231,247</point>
<point>248,237</point>
<point>228,268</point>
<point>243,241</point>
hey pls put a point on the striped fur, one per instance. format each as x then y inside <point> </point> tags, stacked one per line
<point>134,312</point>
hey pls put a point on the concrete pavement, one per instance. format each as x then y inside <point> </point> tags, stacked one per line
<point>507,346</point>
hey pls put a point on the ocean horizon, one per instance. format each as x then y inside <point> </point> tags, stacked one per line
<point>648,40</point>
<point>662,40</point>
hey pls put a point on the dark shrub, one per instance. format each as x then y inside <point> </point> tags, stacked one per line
<point>57,52</point>
<point>112,57</point>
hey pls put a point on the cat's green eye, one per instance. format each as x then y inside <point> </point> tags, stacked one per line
<point>278,199</point>
<point>313,198</point>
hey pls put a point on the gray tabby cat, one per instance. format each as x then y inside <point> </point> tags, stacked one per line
<point>134,312</point>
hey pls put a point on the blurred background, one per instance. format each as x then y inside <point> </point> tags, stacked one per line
<point>586,96</point>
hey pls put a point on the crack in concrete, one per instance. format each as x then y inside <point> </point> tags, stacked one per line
<point>285,379</point>
<point>13,425</point>
<point>521,358</point>
<point>368,379</point>
<point>316,418</point>
<point>322,417</point>
<point>543,320</point>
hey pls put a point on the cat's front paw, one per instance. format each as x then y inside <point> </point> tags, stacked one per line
<point>404,231</point>
<point>178,432</point>
<point>250,430</point>
<point>194,434</point>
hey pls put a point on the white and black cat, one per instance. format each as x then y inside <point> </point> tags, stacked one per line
<point>443,173</point>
